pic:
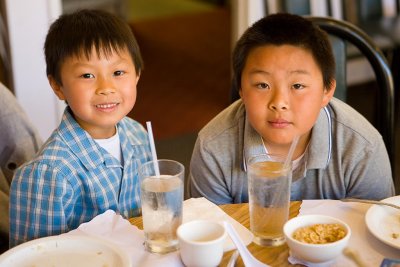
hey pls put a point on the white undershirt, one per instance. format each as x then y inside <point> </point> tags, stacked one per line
<point>112,145</point>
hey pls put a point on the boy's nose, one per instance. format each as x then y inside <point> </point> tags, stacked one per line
<point>105,87</point>
<point>105,91</point>
<point>278,101</point>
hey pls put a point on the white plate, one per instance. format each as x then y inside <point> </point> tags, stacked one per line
<point>384,221</point>
<point>63,251</point>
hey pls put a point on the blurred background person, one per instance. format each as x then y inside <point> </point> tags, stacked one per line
<point>19,142</point>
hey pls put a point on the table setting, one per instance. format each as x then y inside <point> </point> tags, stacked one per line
<point>370,249</point>
<point>363,243</point>
<point>113,229</point>
<point>128,238</point>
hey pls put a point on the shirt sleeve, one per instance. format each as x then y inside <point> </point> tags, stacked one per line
<point>370,177</point>
<point>39,197</point>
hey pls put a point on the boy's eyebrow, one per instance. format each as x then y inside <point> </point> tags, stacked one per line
<point>89,64</point>
<point>259,71</point>
<point>80,64</point>
<point>299,72</point>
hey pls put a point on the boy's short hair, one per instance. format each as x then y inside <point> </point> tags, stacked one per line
<point>285,29</point>
<point>76,34</point>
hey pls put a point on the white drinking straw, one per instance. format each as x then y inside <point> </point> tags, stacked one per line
<point>153,148</point>
<point>291,151</point>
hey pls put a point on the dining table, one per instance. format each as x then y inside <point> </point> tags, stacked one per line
<point>375,233</point>
<point>274,256</point>
<point>371,230</point>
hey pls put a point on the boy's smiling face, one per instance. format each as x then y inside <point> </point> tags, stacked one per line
<point>282,89</point>
<point>100,90</point>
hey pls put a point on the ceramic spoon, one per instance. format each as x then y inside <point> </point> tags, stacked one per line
<point>247,257</point>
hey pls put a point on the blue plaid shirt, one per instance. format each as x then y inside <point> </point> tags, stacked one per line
<point>73,179</point>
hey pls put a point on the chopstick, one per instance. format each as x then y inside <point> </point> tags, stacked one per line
<point>375,202</point>
<point>233,258</point>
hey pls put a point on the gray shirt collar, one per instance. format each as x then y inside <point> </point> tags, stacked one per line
<point>252,144</point>
<point>320,148</point>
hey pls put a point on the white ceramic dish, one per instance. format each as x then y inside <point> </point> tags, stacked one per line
<point>315,253</point>
<point>63,251</point>
<point>244,233</point>
<point>202,209</point>
<point>201,243</point>
<point>384,221</point>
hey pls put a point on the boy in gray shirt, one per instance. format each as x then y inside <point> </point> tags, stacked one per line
<point>284,70</point>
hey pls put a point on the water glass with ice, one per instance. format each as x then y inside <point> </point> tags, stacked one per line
<point>269,179</point>
<point>162,201</point>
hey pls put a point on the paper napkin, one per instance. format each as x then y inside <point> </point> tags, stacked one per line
<point>115,228</point>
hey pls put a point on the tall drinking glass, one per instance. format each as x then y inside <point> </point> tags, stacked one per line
<point>162,200</point>
<point>269,198</point>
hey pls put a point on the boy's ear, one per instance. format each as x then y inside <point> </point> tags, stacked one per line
<point>56,87</point>
<point>138,77</point>
<point>328,93</point>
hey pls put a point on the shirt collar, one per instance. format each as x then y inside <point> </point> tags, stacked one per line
<point>320,147</point>
<point>85,148</point>
<point>252,144</point>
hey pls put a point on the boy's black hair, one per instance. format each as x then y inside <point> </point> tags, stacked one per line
<point>285,29</point>
<point>76,34</point>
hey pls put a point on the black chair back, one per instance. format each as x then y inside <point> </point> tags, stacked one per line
<point>385,97</point>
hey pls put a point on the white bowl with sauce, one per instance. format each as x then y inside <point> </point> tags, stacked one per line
<point>317,252</point>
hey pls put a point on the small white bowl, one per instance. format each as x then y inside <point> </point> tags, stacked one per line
<point>315,253</point>
<point>201,243</point>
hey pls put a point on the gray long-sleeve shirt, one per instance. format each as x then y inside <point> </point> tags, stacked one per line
<point>346,157</point>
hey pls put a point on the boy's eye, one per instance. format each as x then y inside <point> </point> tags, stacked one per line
<point>118,73</point>
<point>298,86</point>
<point>262,86</point>
<point>87,75</point>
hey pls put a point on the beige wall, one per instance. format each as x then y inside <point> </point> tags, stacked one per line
<point>28,22</point>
